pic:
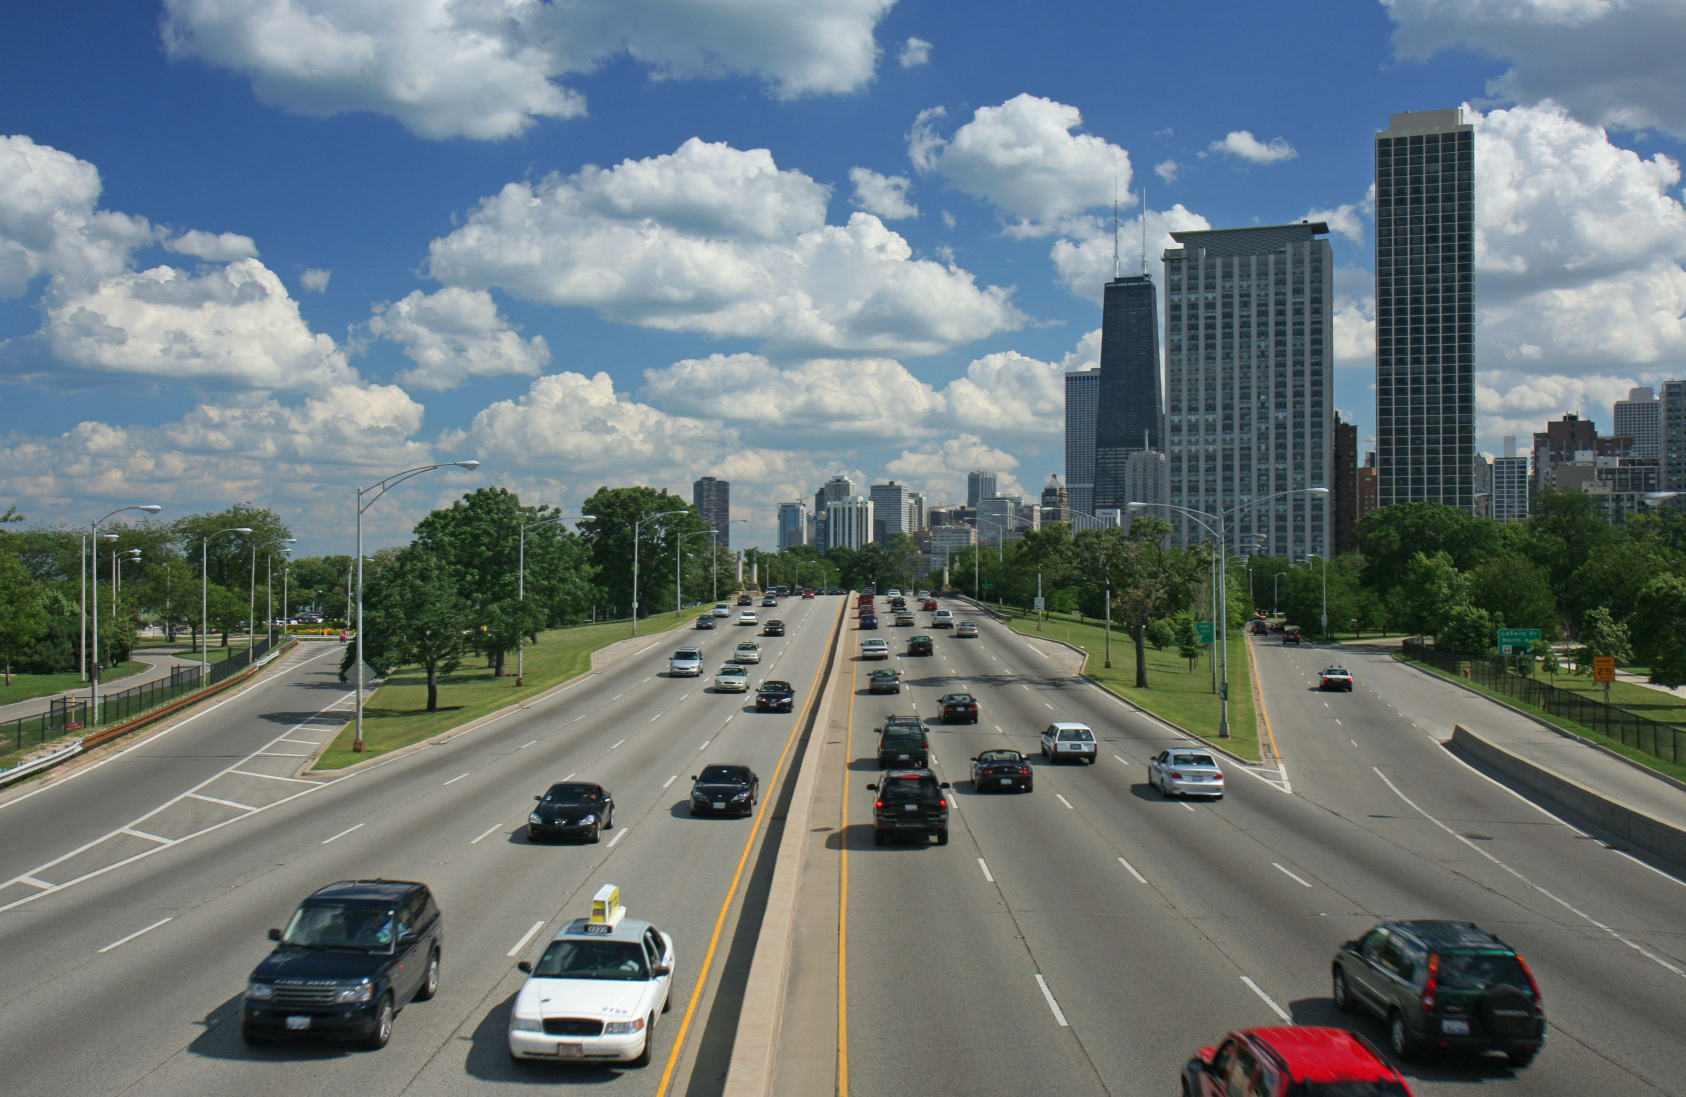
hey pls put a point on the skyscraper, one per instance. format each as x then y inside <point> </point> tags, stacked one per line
<point>1128,405</point>
<point>1055,500</point>
<point>1425,308</point>
<point>1082,397</point>
<point>713,500</point>
<point>916,511</point>
<point>1674,435</point>
<point>793,524</point>
<point>848,522</point>
<point>1640,417</point>
<point>1343,487</point>
<point>1249,379</point>
<point>889,510</point>
<point>980,484</point>
<point>1510,484</point>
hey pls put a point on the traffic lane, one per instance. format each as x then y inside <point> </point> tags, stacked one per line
<point>936,962</point>
<point>1533,849</point>
<point>1391,877</point>
<point>409,848</point>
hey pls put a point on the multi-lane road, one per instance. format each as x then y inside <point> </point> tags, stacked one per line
<point>137,894</point>
<point>1082,939</point>
<point>1088,937</point>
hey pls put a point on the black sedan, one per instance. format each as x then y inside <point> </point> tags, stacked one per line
<point>725,789</point>
<point>773,628</point>
<point>885,681</point>
<point>919,645</point>
<point>958,708</point>
<point>706,621</point>
<point>572,809</point>
<point>774,696</point>
<point>1001,771</point>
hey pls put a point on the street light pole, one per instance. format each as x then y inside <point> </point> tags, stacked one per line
<point>521,587</point>
<point>678,543</point>
<point>714,555</point>
<point>375,491</point>
<point>127,556</point>
<point>94,603</point>
<point>636,526</point>
<point>204,601</point>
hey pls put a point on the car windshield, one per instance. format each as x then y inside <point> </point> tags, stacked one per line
<point>732,672</point>
<point>1076,735</point>
<point>999,756</point>
<point>364,928</point>
<point>714,774</point>
<point>1479,970</point>
<point>958,699</point>
<point>775,687</point>
<point>571,795</point>
<point>687,655</point>
<point>576,959</point>
<point>1192,760</point>
<point>748,647</point>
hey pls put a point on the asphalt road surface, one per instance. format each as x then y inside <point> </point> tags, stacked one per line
<point>137,894</point>
<point>1088,937</point>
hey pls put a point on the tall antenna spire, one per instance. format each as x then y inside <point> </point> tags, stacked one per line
<point>1117,271</point>
<point>1144,229</point>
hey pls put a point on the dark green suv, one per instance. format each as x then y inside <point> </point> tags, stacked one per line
<point>1443,984</point>
<point>902,742</point>
<point>911,803</point>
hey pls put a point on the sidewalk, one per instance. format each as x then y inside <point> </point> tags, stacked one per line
<point>159,667</point>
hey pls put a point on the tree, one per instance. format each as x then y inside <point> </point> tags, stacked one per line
<point>609,543</point>
<point>1515,592</point>
<point>228,556</point>
<point>1659,629</point>
<point>413,616</point>
<point>23,617</point>
<point>1145,580</point>
<point>1390,537</point>
<point>1188,640</point>
<point>1162,633</point>
<point>1614,576</point>
<point>1430,586</point>
<point>1562,531</point>
<point>1602,634</point>
<point>1467,629</point>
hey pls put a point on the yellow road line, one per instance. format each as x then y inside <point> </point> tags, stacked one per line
<point>1258,696</point>
<point>843,906</point>
<point>732,892</point>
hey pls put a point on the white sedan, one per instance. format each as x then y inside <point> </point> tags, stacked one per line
<point>721,609</point>
<point>731,678</point>
<point>595,994</point>
<point>1186,772</point>
<point>747,652</point>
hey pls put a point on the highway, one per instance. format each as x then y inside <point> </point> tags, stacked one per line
<point>1089,937</point>
<point>122,974</point>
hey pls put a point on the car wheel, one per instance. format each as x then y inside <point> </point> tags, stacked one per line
<point>1164,789</point>
<point>381,1034</point>
<point>942,837</point>
<point>877,837</point>
<point>643,1059</point>
<point>1341,993</point>
<point>430,984</point>
<point>1399,1037</point>
<point>254,1037</point>
<point>1521,1057</point>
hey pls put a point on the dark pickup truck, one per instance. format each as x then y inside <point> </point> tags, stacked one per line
<point>773,696</point>
<point>911,803</point>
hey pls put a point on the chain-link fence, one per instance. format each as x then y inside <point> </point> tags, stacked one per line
<point>1659,740</point>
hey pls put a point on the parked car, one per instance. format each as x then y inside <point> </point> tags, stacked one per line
<point>1291,1061</point>
<point>910,803</point>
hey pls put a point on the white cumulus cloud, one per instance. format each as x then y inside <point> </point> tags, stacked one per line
<point>1024,158</point>
<point>213,247</point>
<point>456,334</point>
<point>491,68</point>
<point>884,195</point>
<point>1167,170</point>
<point>1083,260</point>
<point>315,279</point>
<point>716,240</point>
<point>939,468</point>
<point>915,52</point>
<point>1243,145</point>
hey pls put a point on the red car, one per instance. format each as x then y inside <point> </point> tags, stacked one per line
<point>807,594</point>
<point>1292,1061</point>
<point>929,604</point>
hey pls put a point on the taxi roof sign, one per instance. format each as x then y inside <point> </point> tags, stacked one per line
<point>606,909</point>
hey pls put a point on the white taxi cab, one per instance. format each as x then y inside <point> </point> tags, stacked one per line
<point>595,994</point>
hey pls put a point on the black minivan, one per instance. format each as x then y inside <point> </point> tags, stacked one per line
<point>352,956</point>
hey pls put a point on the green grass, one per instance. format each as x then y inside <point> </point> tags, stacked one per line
<point>1174,693</point>
<point>1653,704</point>
<point>1650,761</point>
<point>25,686</point>
<point>396,715</point>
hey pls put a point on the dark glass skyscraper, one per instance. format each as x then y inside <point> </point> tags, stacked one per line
<point>1425,308</point>
<point>1128,413</point>
<point>713,500</point>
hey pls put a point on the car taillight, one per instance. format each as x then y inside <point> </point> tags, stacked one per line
<point>924,746</point>
<point>1175,776</point>
<point>878,804</point>
<point>1539,1000</point>
<point>1025,771</point>
<point>942,803</point>
<point>1433,984</point>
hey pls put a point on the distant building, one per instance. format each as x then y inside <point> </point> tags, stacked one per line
<point>1619,484</point>
<point>1640,417</point>
<point>1425,307</point>
<point>1557,445</point>
<point>1510,485</point>
<point>713,500</point>
<point>1343,487</point>
<point>980,484</point>
<point>944,516</point>
<point>1129,405</point>
<point>793,525</point>
<point>1674,435</point>
<point>1369,488</point>
<point>889,510</point>
<point>848,523</point>
<point>1082,398</point>
<point>998,519</point>
<point>1144,478</point>
<point>1055,500</point>
<point>916,519</point>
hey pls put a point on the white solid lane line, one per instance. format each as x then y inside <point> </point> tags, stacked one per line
<point>1053,1005</point>
<point>132,936</point>
<point>985,868</point>
<point>525,937</point>
<point>1278,1010</point>
<point>670,780</point>
<point>483,834</point>
<point>1132,868</point>
<point>148,835</point>
<point>274,777</point>
<point>1064,801</point>
<point>455,779</point>
<point>224,803</point>
<point>1290,875</point>
<point>341,834</point>
<point>616,840</point>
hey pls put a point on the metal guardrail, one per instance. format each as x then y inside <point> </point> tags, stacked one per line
<point>1659,740</point>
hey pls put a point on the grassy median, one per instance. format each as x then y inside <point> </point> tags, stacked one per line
<point>396,715</point>
<point>25,686</point>
<point>1175,693</point>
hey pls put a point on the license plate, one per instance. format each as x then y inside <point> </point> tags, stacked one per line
<point>298,1024</point>
<point>719,805</point>
<point>569,1051</point>
<point>1006,780</point>
<point>901,757</point>
<point>910,809</point>
<point>1454,1027</point>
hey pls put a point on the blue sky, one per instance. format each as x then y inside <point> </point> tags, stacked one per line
<point>266,250</point>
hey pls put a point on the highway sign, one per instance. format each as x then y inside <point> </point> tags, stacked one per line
<point>1603,668</point>
<point>1203,630</point>
<point>1517,641</point>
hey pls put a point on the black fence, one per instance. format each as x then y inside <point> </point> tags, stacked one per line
<point>1659,740</point>
<point>67,715</point>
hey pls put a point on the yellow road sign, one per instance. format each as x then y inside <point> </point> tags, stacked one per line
<point>1603,668</point>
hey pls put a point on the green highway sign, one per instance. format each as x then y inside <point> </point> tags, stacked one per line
<point>1518,641</point>
<point>1203,630</point>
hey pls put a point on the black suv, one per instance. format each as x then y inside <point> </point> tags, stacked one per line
<point>773,696</point>
<point>1443,984</point>
<point>353,955</point>
<point>910,801</point>
<point>902,742</point>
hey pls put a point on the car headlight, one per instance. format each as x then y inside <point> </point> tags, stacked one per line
<point>698,794</point>
<point>535,818</point>
<point>623,1028</point>
<point>528,1024</point>
<point>588,820</point>
<point>362,992</point>
<point>263,992</point>
<point>744,795</point>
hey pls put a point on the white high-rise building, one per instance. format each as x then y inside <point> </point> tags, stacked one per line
<point>1249,344</point>
<point>889,510</point>
<point>848,523</point>
<point>1640,417</point>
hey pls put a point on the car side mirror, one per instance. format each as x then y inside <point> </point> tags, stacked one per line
<point>660,970</point>
<point>693,777</point>
<point>526,966</point>
<point>538,797</point>
<point>873,786</point>
<point>409,938</point>
<point>274,935</point>
<point>942,784</point>
<point>974,757</point>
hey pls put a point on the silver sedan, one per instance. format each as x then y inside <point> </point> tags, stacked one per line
<point>1186,772</point>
